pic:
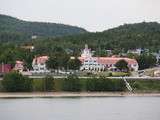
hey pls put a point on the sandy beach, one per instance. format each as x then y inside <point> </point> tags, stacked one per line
<point>75,94</point>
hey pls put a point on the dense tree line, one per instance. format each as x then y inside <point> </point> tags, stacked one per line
<point>120,39</point>
<point>146,61</point>
<point>60,59</point>
<point>9,53</point>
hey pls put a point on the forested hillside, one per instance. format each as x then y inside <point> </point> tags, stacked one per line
<point>13,29</point>
<point>128,36</point>
<point>51,35</point>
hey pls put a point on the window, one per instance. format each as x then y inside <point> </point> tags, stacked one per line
<point>42,63</point>
<point>41,68</point>
<point>135,65</point>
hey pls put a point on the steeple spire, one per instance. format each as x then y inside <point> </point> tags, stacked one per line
<point>86,46</point>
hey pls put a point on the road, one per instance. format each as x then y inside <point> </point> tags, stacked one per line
<point>127,78</point>
<point>85,77</point>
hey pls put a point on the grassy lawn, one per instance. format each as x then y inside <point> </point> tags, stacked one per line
<point>119,74</point>
<point>113,74</point>
<point>145,86</point>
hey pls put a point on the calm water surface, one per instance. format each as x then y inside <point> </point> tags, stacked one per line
<point>87,108</point>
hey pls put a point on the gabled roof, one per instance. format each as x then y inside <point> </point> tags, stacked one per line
<point>40,59</point>
<point>110,60</point>
<point>19,62</point>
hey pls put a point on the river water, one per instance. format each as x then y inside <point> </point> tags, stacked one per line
<point>81,108</point>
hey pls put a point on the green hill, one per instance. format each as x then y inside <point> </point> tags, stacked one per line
<point>128,36</point>
<point>14,29</point>
<point>138,35</point>
<point>124,37</point>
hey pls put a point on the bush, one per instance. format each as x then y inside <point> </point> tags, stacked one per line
<point>48,83</point>
<point>72,83</point>
<point>16,82</point>
<point>146,85</point>
<point>110,74</point>
<point>104,84</point>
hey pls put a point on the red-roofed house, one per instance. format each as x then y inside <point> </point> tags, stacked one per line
<point>39,64</point>
<point>103,63</point>
<point>5,68</point>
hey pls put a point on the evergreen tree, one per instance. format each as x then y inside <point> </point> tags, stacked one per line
<point>122,65</point>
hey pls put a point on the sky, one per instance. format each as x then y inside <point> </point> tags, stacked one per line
<point>93,15</point>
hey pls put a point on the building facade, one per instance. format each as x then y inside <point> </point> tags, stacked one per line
<point>103,63</point>
<point>39,64</point>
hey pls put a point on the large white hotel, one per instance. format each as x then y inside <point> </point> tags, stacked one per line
<point>103,63</point>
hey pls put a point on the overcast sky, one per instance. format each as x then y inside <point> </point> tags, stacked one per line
<point>93,15</point>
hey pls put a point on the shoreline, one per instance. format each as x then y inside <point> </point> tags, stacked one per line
<point>74,94</point>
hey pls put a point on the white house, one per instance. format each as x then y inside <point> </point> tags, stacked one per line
<point>136,51</point>
<point>103,63</point>
<point>39,64</point>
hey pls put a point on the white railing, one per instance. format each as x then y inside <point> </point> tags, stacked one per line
<point>127,84</point>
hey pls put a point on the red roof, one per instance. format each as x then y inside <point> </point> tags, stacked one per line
<point>41,59</point>
<point>19,62</point>
<point>110,60</point>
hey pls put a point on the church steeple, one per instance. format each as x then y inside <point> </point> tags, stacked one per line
<point>86,52</point>
<point>86,46</point>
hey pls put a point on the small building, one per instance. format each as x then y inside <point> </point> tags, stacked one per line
<point>39,64</point>
<point>109,52</point>
<point>34,37</point>
<point>28,47</point>
<point>5,68</point>
<point>138,51</point>
<point>157,73</point>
